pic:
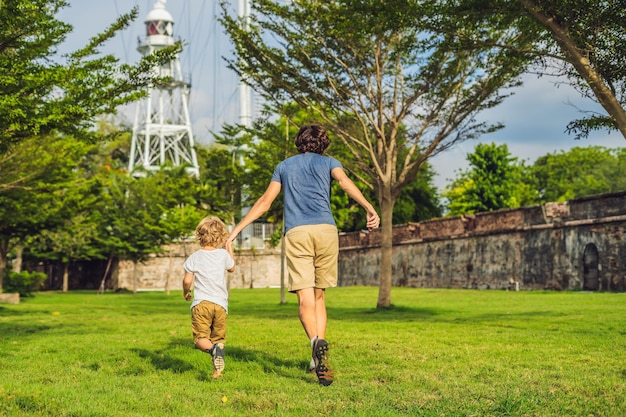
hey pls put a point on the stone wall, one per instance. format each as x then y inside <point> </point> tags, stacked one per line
<point>579,244</point>
<point>10,298</point>
<point>254,269</point>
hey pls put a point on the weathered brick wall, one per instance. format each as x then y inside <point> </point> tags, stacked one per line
<point>540,247</point>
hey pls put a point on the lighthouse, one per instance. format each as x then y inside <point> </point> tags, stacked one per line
<point>162,129</point>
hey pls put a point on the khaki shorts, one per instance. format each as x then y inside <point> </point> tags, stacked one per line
<point>312,252</point>
<point>208,321</point>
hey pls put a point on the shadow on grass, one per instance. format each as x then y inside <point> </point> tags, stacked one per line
<point>501,317</point>
<point>409,314</point>
<point>290,312</point>
<point>269,363</point>
<point>163,361</point>
<point>8,312</point>
<point>397,313</point>
<point>15,331</point>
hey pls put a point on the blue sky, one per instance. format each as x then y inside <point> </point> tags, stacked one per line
<point>535,116</point>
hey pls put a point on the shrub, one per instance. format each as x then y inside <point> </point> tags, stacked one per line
<point>24,282</point>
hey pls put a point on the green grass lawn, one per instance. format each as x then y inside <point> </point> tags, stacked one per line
<point>436,353</point>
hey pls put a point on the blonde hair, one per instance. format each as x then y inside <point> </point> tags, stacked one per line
<point>211,231</point>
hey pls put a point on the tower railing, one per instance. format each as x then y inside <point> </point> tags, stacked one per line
<point>257,235</point>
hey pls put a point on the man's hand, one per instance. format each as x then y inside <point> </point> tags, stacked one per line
<point>373,221</point>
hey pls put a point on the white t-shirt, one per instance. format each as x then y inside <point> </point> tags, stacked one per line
<point>209,268</point>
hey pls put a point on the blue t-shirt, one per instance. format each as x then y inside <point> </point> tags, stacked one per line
<point>305,180</point>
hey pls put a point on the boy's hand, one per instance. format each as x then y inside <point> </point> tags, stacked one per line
<point>187,295</point>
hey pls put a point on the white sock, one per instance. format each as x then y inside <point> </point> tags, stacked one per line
<point>313,341</point>
<point>312,364</point>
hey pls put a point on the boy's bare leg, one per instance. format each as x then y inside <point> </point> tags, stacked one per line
<point>204,344</point>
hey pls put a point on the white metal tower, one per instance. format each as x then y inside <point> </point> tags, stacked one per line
<point>162,128</point>
<point>245,104</point>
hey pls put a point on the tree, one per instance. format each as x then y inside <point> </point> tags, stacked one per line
<point>223,168</point>
<point>493,181</point>
<point>591,38</point>
<point>137,216</point>
<point>419,200</point>
<point>578,172</point>
<point>43,95</point>
<point>71,241</point>
<point>367,71</point>
<point>99,211</point>
<point>37,173</point>
<point>42,92</point>
<point>581,39</point>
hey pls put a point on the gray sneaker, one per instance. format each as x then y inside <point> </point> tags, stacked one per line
<point>217,352</point>
<point>324,372</point>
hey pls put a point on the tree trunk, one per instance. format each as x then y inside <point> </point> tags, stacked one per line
<point>386,208</point>
<point>282,267</point>
<point>135,277</point>
<point>573,55</point>
<point>106,271</point>
<point>66,276</point>
<point>170,267</point>
<point>17,264</point>
<point>4,250</point>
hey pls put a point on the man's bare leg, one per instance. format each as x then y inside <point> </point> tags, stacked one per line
<point>320,312</point>
<point>306,311</point>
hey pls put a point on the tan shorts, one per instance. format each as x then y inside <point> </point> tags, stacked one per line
<point>312,252</point>
<point>208,321</point>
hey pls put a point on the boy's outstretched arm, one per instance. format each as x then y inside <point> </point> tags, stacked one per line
<point>346,184</point>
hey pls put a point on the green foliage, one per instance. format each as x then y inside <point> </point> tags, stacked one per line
<point>42,180</point>
<point>583,40</point>
<point>137,216</point>
<point>48,103</point>
<point>578,172</point>
<point>496,180</point>
<point>223,174</point>
<point>25,283</point>
<point>79,203</point>
<point>42,92</point>
<point>418,201</point>
<point>493,181</point>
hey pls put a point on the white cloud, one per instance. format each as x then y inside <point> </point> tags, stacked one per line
<point>535,118</point>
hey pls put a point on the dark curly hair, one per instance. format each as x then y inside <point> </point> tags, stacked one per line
<point>312,138</point>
